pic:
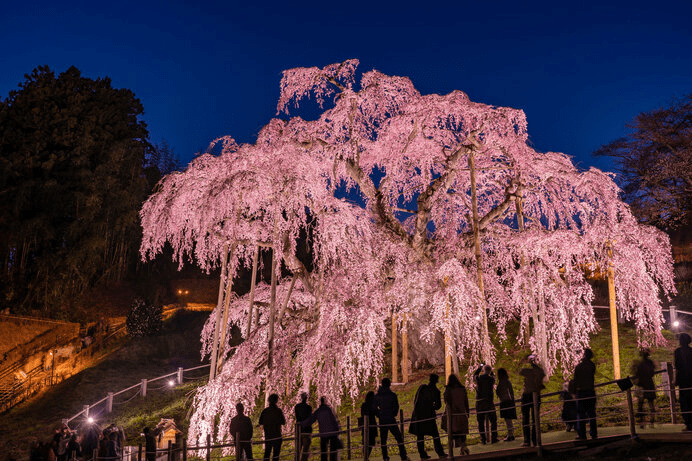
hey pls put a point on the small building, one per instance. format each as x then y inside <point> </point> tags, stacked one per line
<point>167,431</point>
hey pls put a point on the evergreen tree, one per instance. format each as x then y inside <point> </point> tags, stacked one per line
<point>72,151</point>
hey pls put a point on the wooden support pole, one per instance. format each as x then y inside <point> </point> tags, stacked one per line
<point>219,304</point>
<point>85,410</point>
<point>109,403</point>
<point>184,449</point>
<point>143,387</point>
<point>228,294</point>
<point>253,282</point>
<point>395,352</point>
<point>180,376</point>
<point>613,313</point>
<point>448,340</point>
<point>404,351</point>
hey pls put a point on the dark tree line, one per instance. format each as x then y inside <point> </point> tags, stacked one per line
<point>655,165</point>
<point>75,166</point>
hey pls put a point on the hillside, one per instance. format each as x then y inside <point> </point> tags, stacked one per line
<point>179,346</point>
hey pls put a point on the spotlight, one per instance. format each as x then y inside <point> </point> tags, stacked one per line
<point>171,383</point>
<point>676,324</point>
<point>90,420</point>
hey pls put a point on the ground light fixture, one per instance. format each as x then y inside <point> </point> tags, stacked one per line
<point>171,383</point>
<point>90,420</point>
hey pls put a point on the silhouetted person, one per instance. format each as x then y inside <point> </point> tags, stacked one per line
<point>386,406</point>
<point>113,449</point>
<point>533,382</point>
<point>569,405</point>
<point>485,404</point>
<point>329,430</point>
<point>271,419</point>
<point>508,410</point>
<point>149,445</point>
<point>73,448</point>
<point>367,412</point>
<point>424,417</point>
<point>456,405</point>
<point>683,378</point>
<point>302,412</point>
<point>644,371</point>
<point>584,381</point>
<point>241,431</point>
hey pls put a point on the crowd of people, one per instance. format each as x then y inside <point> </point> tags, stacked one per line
<point>379,412</point>
<point>67,444</point>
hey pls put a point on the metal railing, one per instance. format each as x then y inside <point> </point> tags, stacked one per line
<point>615,407</point>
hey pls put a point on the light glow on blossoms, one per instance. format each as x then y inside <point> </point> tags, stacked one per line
<point>380,182</point>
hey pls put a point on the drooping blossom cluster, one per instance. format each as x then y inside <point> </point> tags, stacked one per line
<point>380,183</point>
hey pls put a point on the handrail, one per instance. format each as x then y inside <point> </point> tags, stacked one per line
<point>134,386</point>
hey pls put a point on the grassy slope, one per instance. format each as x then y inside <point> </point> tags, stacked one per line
<point>176,346</point>
<point>179,346</point>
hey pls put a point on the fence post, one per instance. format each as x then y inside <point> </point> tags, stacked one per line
<point>208,447</point>
<point>366,436</point>
<point>296,442</point>
<point>630,413</point>
<point>450,440</point>
<point>169,455</point>
<point>537,421</point>
<point>95,454</point>
<point>85,411</point>
<point>673,317</point>
<point>109,403</point>
<point>671,392</point>
<point>139,452</point>
<point>348,437</point>
<point>184,449</point>
<point>180,376</point>
<point>143,387</point>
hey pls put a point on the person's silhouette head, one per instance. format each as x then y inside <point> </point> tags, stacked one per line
<point>273,399</point>
<point>239,408</point>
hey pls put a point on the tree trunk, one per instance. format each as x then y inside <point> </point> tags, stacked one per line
<point>485,351</point>
<point>219,303</point>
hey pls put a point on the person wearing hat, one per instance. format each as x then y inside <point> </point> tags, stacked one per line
<point>533,382</point>
<point>683,378</point>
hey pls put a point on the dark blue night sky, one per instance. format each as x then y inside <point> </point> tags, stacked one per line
<point>580,70</point>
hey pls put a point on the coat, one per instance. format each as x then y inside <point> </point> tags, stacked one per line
<point>326,421</point>
<point>386,405</point>
<point>423,418</point>
<point>457,401</point>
